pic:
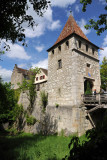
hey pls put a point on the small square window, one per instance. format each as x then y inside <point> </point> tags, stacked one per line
<point>43,76</point>
<point>36,78</point>
<point>93,50</point>
<point>86,48</point>
<point>59,64</point>
<point>88,65</point>
<point>59,49</point>
<point>67,44</point>
<point>52,51</point>
<point>79,44</point>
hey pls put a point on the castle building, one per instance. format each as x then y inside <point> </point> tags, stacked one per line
<point>73,61</point>
<point>72,64</point>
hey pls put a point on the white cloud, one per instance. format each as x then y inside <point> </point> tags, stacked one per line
<point>5,74</point>
<point>62,3</point>
<point>45,22</point>
<point>54,25</point>
<point>17,51</point>
<point>22,65</point>
<point>81,24</point>
<point>102,1</point>
<point>39,48</point>
<point>41,64</point>
<point>77,8</point>
<point>105,41</point>
<point>103,53</point>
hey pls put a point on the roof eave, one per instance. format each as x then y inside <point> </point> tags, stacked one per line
<point>57,44</point>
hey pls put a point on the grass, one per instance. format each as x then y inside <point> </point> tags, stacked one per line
<point>33,147</point>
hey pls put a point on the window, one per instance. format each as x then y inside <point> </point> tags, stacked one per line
<point>52,51</point>
<point>79,44</point>
<point>36,78</point>
<point>86,48</point>
<point>93,51</point>
<point>67,44</point>
<point>88,65</point>
<point>59,64</point>
<point>38,87</point>
<point>43,76</point>
<point>26,77</point>
<point>59,49</point>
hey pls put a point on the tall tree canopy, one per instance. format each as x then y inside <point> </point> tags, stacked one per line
<point>103,72</point>
<point>13,14</point>
<point>101,24</point>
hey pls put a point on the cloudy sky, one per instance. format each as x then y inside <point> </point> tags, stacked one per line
<point>46,33</point>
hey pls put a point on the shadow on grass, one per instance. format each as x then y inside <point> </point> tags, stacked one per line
<point>11,147</point>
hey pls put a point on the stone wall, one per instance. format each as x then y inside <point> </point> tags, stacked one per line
<point>66,85</point>
<point>37,111</point>
<point>16,77</point>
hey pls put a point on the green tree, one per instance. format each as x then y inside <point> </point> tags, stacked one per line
<point>101,24</point>
<point>13,14</point>
<point>9,109</point>
<point>103,73</point>
<point>29,87</point>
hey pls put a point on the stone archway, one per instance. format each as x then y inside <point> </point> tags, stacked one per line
<point>90,84</point>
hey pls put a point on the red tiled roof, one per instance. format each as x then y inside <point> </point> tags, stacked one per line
<point>69,28</point>
<point>27,72</point>
<point>24,71</point>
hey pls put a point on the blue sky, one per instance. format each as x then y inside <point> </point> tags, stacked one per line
<point>46,33</point>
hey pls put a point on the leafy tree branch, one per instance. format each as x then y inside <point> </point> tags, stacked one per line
<point>101,24</point>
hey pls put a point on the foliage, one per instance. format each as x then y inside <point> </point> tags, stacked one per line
<point>29,87</point>
<point>27,146</point>
<point>94,148</point>
<point>57,105</point>
<point>30,120</point>
<point>101,24</point>
<point>88,89</point>
<point>103,73</point>
<point>13,16</point>
<point>9,109</point>
<point>44,99</point>
<point>17,94</point>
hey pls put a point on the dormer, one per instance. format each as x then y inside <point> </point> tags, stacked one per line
<point>42,77</point>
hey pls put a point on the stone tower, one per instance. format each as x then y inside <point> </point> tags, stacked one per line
<point>73,60</point>
<point>72,63</point>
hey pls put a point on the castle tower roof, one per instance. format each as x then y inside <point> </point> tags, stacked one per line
<point>70,28</point>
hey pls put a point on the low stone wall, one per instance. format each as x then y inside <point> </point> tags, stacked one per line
<point>66,119</point>
<point>70,119</point>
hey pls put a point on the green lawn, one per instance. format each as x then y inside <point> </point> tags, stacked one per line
<point>33,147</point>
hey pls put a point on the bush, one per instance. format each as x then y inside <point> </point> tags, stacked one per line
<point>88,90</point>
<point>9,109</point>
<point>94,148</point>
<point>44,99</point>
<point>30,120</point>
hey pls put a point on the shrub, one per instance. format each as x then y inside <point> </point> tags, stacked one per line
<point>44,99</point>
<point>88,90</point>
<point>30,120</point>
